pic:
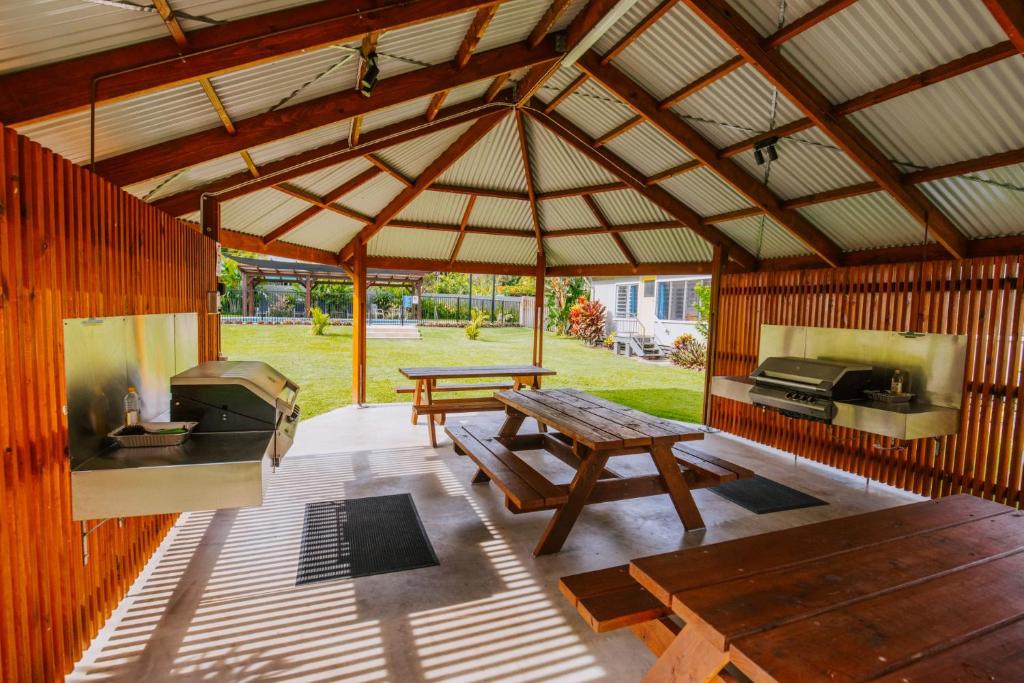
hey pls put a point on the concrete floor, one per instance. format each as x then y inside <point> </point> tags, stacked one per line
<point>218,601</point>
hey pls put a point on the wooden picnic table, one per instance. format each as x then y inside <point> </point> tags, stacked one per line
<point>426,385</point>
<point>587,432</point>
<point>923,592</point>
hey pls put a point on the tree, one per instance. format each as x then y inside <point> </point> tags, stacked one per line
<point>517,285</point>
<point>703,306</point>
<point>562,293</point>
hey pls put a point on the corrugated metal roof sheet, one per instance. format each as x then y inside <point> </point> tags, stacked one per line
<point>983,204</point>
<point>648,150</point>
<point>623,207</point>
<point>433,42</point>
<point>408,243</point>
<point>556,165</point>
<point>442,208</point>
<point>764,14</point>
<point>412,158</point>
<point>557,83</point>
<point>594,109</point>
<point>326,230</point>
<point>565,213</point>
<point>311,139</point>
<point>866,222</point>
<point>969,116</point>
<point>877,42</point>
<point>493,163</point>
<point>631,18</point>
<point>399,112</point>
<point>582,250</point>
<point>198,175</point>
<point>298,78</point>
<point>494,212</point>
<point>808,163</point>
<point>735,105</point>
<point>260,212</point>
<point>704,192</point>
<point>465,93</point>
<point>325,180</point>
<point>128,124</point>
<point>512,23</point>
<point>371,197</point>
<point>667,246</point>
<point>763,240</point>
<point>498,249</point>
<point>677,50</point>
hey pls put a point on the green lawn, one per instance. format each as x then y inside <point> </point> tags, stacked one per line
<point>322,365</point>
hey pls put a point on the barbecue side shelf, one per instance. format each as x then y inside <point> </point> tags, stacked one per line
<point>905,421</point>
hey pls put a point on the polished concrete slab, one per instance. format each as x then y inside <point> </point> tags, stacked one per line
<point>219,601</point>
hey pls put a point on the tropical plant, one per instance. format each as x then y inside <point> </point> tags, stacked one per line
<point>320,321</point>
<point>703,306</point>
<point>609,341</point>
<point>562,293</point>
<point>586,320</point>
<point>474,326</point>
<point>688,352</point>
<point>517,285</point>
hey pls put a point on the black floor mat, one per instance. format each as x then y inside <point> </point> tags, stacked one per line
<point>344,539</point>
<point>762,496</point>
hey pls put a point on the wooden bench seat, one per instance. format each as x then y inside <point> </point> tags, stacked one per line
<point>443,406</point>
<point>525,489</point>
<point>610,599</point>
<point>703,470</point>
<point>486,386</point>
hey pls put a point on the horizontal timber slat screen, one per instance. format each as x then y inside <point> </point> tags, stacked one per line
<point>71,245</point>
<point>981,298</point>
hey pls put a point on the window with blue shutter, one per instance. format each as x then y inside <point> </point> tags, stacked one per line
<point>662,300</point>
<point>633,290</point>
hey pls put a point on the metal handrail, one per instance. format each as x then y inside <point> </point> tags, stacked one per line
<point>631,326</point>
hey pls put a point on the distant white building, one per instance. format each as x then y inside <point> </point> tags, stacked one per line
<point>654,309</point>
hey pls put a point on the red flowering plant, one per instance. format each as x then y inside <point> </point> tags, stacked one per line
<point>586,321</point>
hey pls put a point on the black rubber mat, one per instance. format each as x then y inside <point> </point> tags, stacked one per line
<point>762,496</point>
<point>344,539</point>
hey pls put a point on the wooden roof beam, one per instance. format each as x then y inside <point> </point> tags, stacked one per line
<point>580,191</point>
<point>474,34</point>
<point>155,160</point>
<point>387,168</point>
<point>218,106</point>
<point>64,86</point>
<point>632,34</point>
<point>582,142</point>
<point>319,204</point>
<point>689,139</point>
<point>606,226</point>
<point>1010,15</point>
<point>442,163</point>
<point>163,8</point>
<point>524,153</point>
<point>713,76</point>
<point>462,230</point>
<point>480,192</point>
<point>566,91</point>
<point>274,172</point>
<point>810,20</point>
<point>744,39</point>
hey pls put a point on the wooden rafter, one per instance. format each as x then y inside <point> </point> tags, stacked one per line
<point>218,106</point>
<point>387,168</point>
<point>1010,15</point>
<point>632,34</point>
<point>547,21</point>
<point>794,85</point>
<point>620,129</point>
<point>64,86</point>
<point>682,168</point>
<point>580,191</point>
<point>165,157</point>
<point>462,229</point>
<point>716,74</point>
<point>566,91</point>
<point>163,8</point>
<point>475,32</point>
<point>807,21</point>
<point>254,171</point>
<point>606,226</point>
<point>480,192</point>
<point>524,152</point>
<point>582,142</point>
<point>433,171</point>
<point>689,139</point>
<point>319,204</point>
<point>325,203</point>
<point>332,154</point>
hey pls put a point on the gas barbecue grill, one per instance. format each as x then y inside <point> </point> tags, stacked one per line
<point>806,388</point>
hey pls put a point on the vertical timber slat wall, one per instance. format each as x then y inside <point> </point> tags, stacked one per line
<point>71,245</point>
<point>982,298</point>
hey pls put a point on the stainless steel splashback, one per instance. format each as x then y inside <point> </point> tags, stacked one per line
<point>934,362</point>
<point>104,356</point>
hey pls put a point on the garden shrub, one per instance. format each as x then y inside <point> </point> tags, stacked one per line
<point>473,328</point>
<point>586,320</point>
<point>609,341</point>
<point>320,321</point>
<point>688,352</point>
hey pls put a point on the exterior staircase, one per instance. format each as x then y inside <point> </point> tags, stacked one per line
<point>631,339</point>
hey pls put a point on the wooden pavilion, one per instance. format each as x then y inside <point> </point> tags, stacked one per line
<point>838,163</point>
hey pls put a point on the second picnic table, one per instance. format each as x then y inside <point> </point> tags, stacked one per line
<point>426,385</point>
<point>588,431</point>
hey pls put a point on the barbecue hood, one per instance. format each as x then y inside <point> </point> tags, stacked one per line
<point>807,388</point>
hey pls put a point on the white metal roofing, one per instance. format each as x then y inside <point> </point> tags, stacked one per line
<point>870,44</point>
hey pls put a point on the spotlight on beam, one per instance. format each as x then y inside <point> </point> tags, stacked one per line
<point>766,147</point>
<point>370,75</point>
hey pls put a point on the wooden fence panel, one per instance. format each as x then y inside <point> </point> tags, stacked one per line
<point>71,245</point>
<point>982,298</point>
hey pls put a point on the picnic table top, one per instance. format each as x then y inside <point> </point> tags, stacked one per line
<point>455,372</point>
<point>894,594</point>
<point>595,422</point>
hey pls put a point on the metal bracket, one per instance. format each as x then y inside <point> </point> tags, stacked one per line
<point>85,536</point>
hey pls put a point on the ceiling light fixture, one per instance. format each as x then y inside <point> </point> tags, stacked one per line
<point>370,75</point>
<point>595,34</point>
<point>766,147</point>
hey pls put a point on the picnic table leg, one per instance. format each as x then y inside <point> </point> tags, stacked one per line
<point>430,417</point>
<point>510,427</point>
<point>565,517</point>
<point>690,657</point>
<point>416,398</point>
<point>678,491</point>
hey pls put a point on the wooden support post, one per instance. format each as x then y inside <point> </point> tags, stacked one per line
<point>244,294</point>
<point>538,314</point>
<point>717,264</point>
<point>309,296</point>
<point>209,216</point>
<point>359,324</point>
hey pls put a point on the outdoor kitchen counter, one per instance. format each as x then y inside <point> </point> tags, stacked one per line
<point>208,471</point>
<point>897,420</point>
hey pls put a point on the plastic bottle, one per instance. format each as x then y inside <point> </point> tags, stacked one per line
<point>896,387</point>
<point>132,407</point>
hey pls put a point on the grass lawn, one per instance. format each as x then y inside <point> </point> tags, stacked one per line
<point>322,366</point>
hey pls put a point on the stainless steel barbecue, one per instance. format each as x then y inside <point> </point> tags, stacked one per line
<point>806,388</point>
<point>238,396</point>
